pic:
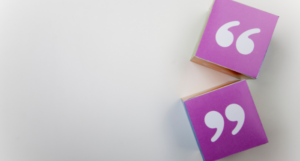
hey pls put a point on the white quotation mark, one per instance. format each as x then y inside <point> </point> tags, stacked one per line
<point>214,120</point>
<point>235,112</point>
<point>225,38</point>
<point>245,45</point>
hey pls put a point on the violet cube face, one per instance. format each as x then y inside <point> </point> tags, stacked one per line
<point>236,37</point>
<point>225,121</point>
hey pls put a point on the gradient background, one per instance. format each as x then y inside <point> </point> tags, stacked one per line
<point>102,80</point>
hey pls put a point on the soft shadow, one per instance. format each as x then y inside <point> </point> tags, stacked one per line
<point>180,127</point>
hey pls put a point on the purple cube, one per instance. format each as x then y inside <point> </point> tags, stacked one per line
<point>225,120</point>
<point>235,39</point>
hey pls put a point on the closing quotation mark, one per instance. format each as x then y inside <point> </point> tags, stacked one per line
<point>215,120</point>
<point>235,112</point>
<point>244,44</point>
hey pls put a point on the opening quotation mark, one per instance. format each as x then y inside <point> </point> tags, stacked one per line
<point>244,44</point>
<point>215,120</point>
<point>223,36</point>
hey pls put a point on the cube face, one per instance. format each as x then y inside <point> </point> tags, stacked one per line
<point>225,121</point>
<point>237,37</point>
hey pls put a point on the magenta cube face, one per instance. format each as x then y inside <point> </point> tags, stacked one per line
<point>225,121</point>
<point>237,37</point>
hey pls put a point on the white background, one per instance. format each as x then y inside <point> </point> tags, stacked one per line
<point>91,80</point>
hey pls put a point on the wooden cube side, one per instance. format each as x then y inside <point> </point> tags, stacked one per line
<point>219,68</point>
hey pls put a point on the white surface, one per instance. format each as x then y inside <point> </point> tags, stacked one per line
<point>102,80</point>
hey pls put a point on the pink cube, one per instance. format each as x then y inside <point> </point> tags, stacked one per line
<point>235,39</point>
<point>225,120</point>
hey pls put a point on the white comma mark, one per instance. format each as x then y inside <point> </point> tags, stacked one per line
<point>223,36</point>
<point>235,112</point>
<point>214,120</point>
<point>245,45</point>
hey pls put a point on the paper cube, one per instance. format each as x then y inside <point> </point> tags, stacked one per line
<point>235,39</point>
<point>225,121</point>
